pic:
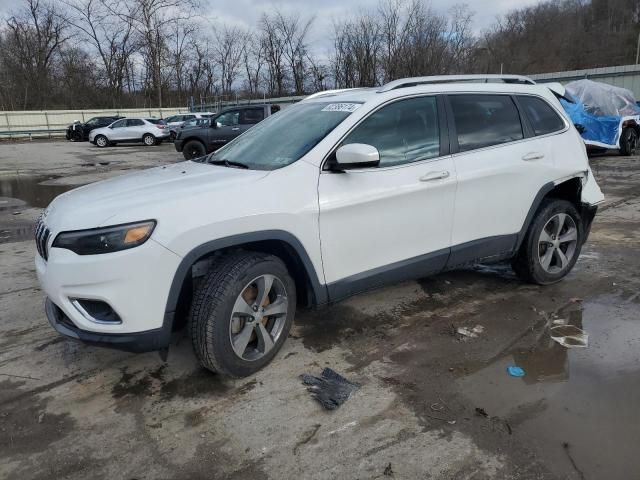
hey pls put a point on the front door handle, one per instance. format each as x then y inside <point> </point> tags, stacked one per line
<point>235,129</point>
<point>434,176</point>
<point>533,156</point>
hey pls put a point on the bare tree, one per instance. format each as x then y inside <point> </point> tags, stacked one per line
<point>35,35</point>
<point>111,36</point>
<point>293,32</point>
<point>229,51</point>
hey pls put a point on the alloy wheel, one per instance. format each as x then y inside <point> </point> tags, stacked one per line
<point>258,317</point>
<point>557,243</point>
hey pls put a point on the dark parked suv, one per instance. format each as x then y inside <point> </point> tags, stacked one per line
<point>78,131</point>
<point>224,127</point>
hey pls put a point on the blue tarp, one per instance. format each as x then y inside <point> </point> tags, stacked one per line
<point>601,109</point>
<point>603,130</point>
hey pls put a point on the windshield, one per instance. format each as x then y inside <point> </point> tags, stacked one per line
<point>284,138</point>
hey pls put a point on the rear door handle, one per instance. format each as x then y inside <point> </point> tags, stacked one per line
<point>434,176</point>
<point>533,156</point>
<point>235,129</point>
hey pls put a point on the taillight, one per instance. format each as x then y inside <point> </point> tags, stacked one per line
<point>161,126</point>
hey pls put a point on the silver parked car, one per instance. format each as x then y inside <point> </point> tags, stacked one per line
<point>149,131</point>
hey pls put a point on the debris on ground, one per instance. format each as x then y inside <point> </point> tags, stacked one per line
<point>470,333</point>
<point>388,472</point>
<point>570,336</point>
<point>330,389</point>
<point>515,371</point>
<point>482,412</point>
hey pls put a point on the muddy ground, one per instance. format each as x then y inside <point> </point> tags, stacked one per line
<point>432,404</point>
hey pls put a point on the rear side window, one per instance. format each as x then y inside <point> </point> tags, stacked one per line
<point>403,132</point>
<point>542,117</point>
<point>485,120</point>
<point>252,116</point>
<point>155,121</point>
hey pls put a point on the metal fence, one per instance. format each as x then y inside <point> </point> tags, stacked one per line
<point>627,76</point>
<point>54,122</point>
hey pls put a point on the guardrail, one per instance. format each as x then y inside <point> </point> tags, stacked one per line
<point>53,123</point>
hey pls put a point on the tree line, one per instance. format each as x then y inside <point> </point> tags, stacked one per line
<point>139,53</point>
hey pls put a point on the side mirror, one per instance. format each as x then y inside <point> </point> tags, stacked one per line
<point>216,124</point>
<point>357,155</point>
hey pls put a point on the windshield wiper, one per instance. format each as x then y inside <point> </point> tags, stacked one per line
<point>228,163</point>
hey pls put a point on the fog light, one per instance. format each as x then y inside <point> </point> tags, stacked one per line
<point>96,311</point>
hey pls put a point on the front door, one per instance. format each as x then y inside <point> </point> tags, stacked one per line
<point>392,222</point>
<point>227,128</point>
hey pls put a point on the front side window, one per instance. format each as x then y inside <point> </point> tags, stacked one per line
<point>93,122</point>
<point>174,118</point>
<point>405,131</point>
<point>282,139</point>
<point>542,117</point>
<point>119,124</point>
<point>229,119</point>
<point>485,120</point>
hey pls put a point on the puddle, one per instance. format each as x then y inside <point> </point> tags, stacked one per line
<point>576,407</point>
<point>29,189</point>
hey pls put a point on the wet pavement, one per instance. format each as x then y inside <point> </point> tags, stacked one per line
<point>432,403</point>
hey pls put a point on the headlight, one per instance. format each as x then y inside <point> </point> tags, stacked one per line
<point>105,240</point>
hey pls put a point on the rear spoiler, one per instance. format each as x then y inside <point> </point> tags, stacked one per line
<point>559,91</point>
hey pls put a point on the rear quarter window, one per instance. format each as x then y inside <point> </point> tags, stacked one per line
<point>542,117</point>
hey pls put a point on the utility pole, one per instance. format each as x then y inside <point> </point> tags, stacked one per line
<point>638,50</point>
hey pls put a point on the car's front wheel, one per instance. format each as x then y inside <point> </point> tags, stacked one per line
<point>628,141</point>
<point>242,312</point>
<point>101,141</point>
<point>193,149</point>
<point>552,244</point>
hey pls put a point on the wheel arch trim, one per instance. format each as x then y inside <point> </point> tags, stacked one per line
<point>319,290</point>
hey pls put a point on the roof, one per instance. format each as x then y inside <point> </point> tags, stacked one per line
<point>437,84</point>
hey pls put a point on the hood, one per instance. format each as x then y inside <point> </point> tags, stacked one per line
<point>96,131</point>
<point>146,194</point>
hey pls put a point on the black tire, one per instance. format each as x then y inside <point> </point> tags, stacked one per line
<point>628,141</point>
<point>149,140</point>
<point>528,262</point>
<point>210,318</point>
<point>193,149</point>
<point>101,141</point>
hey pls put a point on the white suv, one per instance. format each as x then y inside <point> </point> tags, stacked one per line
<point>343,192</point>
<point>149,131</point>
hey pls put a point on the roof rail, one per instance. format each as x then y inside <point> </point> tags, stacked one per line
<point>330,92</point>
<point>414,81</point>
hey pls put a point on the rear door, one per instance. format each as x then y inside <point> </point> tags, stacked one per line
<point>392,222</point>
<point>249,117</point>
<point>501,166</point>
<point>136,128</point>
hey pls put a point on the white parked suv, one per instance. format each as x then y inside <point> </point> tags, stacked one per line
<point>341,193</point>
<point>149,131</point>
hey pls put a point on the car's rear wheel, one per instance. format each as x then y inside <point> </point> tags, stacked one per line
<point>101,141</point>
<point>628,141</point>
<point>242,313</point>
<point>193,149</point>
<point>552,244</point>
<point>149,140</point>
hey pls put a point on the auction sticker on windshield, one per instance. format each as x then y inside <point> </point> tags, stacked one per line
<point>341,107</point>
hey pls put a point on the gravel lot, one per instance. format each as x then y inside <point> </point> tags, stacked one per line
<point>431,404</point>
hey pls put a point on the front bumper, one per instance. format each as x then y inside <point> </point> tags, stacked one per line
<point>134,283</point>
<point>148,341</point>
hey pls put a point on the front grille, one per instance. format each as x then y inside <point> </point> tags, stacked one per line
<point>42,238</point>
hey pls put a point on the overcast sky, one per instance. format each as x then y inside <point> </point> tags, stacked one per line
<point>247,12</point>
